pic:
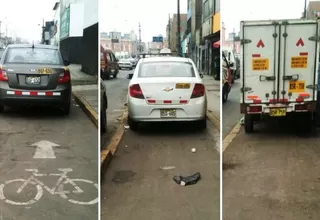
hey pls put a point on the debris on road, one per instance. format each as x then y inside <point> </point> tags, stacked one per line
<point>193,150</point>
<point>126,126</point>
<point>167,168</point>
<point>241,121</point>
<point>187,180</point>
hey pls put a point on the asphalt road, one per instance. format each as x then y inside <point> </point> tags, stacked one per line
<point>139,181</point>
<point>26,138</point>
<point>272,174</point>
<point>117,96</point>
<point>231,109</point>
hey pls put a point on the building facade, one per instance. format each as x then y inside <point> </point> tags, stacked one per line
<point>117,42</point>
<point>172,31</point>
<point>76,32</point>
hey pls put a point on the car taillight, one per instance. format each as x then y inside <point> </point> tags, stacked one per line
<point>198,91</point>
<point>3,75</point>
<point>136,92</point>
<point>254,109</point>
<point>64,77</point>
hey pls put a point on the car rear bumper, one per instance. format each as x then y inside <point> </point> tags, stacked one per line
<point>139,110</point>
<point>15,97</point>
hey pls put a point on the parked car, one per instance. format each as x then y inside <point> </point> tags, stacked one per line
<point>108,64</point>
<point>103,107</point>
<point>166,89</point>
<point>34,75</point>
<point>125,64</point>
<point>133,61</point>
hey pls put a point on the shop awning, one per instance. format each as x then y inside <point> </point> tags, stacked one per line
<point>216,44</point>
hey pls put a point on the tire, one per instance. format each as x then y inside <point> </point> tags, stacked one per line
<point>225,93</point>
<point>134,126</point>
<point>36,198</point>
<point>1,109</point>
<point>65,109</point>
<point>202,124</point>
<point>310,123</point>
<point>131,68</point>
<point>115,75</point>
<point>248,123</point>
<point>103,119</point>
<point>77,191</point>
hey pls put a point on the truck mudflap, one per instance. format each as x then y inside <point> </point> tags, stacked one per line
<point>279,108</point>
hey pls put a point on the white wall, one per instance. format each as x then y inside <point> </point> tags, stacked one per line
<point>76,20</point>
<point>90,12</point>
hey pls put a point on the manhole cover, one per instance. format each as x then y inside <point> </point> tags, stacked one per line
<point>123,176</point>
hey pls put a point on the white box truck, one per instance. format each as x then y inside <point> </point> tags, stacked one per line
<point>279,66</point>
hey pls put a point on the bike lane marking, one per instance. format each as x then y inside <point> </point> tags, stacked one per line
<point>45,150</point>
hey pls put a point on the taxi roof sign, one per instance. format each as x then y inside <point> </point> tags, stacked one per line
<point>165,51</point>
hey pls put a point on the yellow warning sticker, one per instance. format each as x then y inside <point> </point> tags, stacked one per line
<point>297,86</point>
<point>299,62</point>
<point>260,64</point>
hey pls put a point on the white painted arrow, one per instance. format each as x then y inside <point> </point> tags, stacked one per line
<point>44,150</point>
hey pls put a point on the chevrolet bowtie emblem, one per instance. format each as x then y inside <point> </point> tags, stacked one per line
<point>167,89</point>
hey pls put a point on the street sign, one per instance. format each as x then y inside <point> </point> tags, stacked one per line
<point>158,39</point>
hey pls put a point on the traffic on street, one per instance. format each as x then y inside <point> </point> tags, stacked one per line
<point>270,139</point>
<point>48,145</point>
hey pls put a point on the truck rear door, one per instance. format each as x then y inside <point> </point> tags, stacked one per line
<point>299,52</point>
<point>259,61</point>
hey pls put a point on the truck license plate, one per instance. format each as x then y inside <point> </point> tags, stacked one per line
<point>168,113</point>
<point>278,112</point>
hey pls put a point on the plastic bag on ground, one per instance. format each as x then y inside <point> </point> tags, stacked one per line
<point>187,180</point>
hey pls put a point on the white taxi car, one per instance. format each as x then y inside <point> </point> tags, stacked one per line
<point>125,64</point>
<point>166,89</point>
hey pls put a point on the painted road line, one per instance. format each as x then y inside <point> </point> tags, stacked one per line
<point>214,119</point>
<point>107,154</point>
<point>93,115</point>
<point>229,138</point>
<point>44,150</point>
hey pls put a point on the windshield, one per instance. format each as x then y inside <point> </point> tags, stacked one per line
<point>166,69</point>
<point>33,56</point>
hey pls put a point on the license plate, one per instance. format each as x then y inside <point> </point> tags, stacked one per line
<point>168,113</point>
<point>33,80</point>
<point>278,112</point>
<point>296,86</point>
<point>183,86</point>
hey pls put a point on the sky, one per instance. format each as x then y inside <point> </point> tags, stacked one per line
<point>22,17</point>
<point>234,11</point>
<point>125,15</point>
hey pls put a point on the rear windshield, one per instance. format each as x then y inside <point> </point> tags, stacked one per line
<point>166,69</point>
<point>33,56</point>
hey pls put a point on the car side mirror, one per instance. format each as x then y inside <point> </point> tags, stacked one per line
<point>129,76</point>
<point>201,75</point>
<point>66,62</point>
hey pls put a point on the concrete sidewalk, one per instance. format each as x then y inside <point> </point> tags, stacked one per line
<point>213,94</point>
<point>85,91</point>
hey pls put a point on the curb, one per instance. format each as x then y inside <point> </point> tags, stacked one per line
<point>86,107</point>
<point>229,138</point>
<point>213,119</point>
<point>107,154</point>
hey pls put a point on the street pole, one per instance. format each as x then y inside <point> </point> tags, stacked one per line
<point>305,9</point>
<point>169,40</point>
<point>140,49</point>
<point>178,27</point>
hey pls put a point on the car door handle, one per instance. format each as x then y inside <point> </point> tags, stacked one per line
<point>291,77</point>
<point>267,78</point>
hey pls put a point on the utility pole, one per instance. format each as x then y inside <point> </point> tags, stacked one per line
<point>169,36</point>
<point>140,49</point>
<point>305,9</point>
<point>178,27</point>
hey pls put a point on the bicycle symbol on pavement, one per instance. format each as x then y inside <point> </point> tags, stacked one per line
<point>57,189</point>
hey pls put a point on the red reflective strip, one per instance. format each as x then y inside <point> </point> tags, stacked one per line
<point>152,101</point>
<point>49,93</point>
<point>183,101</point>
<point>33,93</point>
<point>167,101</point>
<point>18,92</point>
<point>304,54</point>
<point>277,100</point>
<point>256,55</point>
<point>305,95</point>
<point>252,97</point>
<point>299,99</point>
<point>283,100</point>
<point>256,101</point>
